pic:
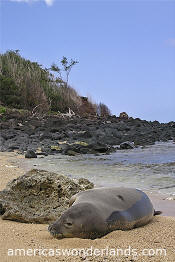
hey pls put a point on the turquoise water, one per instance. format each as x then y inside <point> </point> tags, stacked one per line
<point>150,168</point>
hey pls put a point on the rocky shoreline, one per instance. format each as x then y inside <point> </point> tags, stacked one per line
<point>72,135</point>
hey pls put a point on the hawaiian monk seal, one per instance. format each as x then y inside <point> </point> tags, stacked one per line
<point>96,212</point>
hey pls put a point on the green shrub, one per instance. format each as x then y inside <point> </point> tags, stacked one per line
<point>2,109</point>
<point>9,92</point>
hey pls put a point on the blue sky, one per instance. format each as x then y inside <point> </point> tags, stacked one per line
<point>125,49</point>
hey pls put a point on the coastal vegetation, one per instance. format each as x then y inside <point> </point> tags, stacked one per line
<point>27,85</point>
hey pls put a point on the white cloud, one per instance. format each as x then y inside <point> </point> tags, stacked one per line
<point>171,42</point>
<point>48,2</point>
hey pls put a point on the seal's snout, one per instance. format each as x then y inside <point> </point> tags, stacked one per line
<point>53,229</point>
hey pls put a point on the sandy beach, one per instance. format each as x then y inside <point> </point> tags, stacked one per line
<point>153,242</point>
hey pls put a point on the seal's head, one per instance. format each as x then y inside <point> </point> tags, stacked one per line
<point>80,220</point>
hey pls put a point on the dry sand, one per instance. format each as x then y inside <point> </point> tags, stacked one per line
<point>159,234</point>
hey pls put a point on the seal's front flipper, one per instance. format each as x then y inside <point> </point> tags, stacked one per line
<point>157,212</point>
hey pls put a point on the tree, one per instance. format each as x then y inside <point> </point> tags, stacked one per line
<point>66,67</point>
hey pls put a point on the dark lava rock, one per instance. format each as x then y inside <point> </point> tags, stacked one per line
<point>46,132</point>
<point>30,154</point>
<point>71,153</point>
<point>127,145</point>
<point>100,148</point>
<point>123,115</point>
<point>1,143</point>
<point>39,196</point>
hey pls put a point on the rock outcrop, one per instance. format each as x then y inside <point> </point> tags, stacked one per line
<point>39,196</point>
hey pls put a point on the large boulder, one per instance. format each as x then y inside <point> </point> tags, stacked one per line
<point>30,154</point>
<point>127,145</point>
<point>39,196</point>
<point>123,115</point>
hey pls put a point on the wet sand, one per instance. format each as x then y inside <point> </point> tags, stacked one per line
<point>141,244</point>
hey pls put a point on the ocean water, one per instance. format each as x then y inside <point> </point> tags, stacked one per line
<point>150,168</point>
